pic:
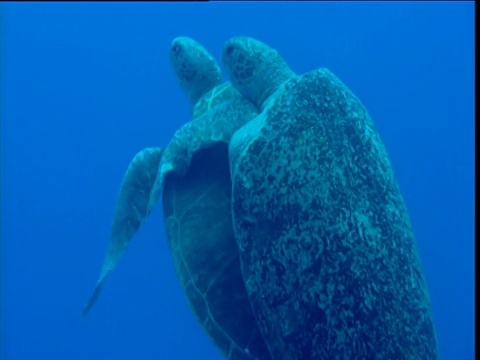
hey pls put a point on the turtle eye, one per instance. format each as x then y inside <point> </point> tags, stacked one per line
<point>176,49</point>
<point>229,49</point>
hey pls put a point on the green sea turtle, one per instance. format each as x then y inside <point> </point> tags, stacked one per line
<point>194,180</point>
<point>192,174</point>
<point>327,251</point>
<point>284,219</point>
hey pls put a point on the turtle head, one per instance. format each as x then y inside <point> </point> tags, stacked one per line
<point>255,69</point>
<point>196,70</point>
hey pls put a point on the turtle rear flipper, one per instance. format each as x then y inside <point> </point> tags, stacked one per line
<point>133,206</point>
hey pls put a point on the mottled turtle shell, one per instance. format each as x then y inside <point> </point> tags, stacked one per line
<point>326,247</point>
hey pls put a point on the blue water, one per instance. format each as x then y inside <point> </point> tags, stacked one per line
<point>86,86</point>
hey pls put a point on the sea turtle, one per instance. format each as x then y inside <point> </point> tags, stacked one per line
<point>194,180</point>
<point>192,174</point>
<point>327,251</point>
<point>284,219</point>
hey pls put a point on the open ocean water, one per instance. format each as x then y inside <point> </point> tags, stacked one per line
<point>85,86</point>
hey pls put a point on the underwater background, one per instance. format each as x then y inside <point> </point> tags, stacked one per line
<point>85,86</point>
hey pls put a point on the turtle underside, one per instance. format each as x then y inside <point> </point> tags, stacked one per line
<point>197,193</point>
<point>197,209</point>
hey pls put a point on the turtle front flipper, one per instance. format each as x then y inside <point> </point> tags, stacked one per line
<point>133,206</point>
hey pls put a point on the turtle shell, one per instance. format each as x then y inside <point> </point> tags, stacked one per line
<point>326,246</point>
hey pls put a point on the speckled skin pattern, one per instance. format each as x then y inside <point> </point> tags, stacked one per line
<point>258,74</point>
<point>194,179</point>
<point>327,250</point>
<point>196,70</point>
